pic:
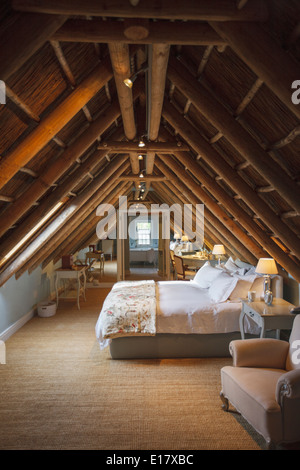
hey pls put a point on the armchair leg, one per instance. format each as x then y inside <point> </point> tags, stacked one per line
<point>270,445</point>
<point>225,401</point>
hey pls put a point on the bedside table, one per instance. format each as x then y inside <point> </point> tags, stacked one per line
<point>269,317</point>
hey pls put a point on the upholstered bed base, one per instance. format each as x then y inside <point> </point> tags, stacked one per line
<point>163,346</point>
<point>167,345</point>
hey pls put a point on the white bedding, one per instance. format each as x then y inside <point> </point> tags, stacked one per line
<point>183,307</point>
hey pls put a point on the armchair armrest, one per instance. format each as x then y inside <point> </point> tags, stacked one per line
<point>259,352</point>
<point>288,385</point>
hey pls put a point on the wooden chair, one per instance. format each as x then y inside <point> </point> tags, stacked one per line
<point>182,271</point>
<point>173,270</point>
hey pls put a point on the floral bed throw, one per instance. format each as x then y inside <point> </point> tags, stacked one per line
<point>128,310</point>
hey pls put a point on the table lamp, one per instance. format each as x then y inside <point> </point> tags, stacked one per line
<point>218,250</point>
<point>267,266</point>
<point>184,240</point>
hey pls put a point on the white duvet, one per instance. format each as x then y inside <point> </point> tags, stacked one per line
<point>181,308</point>
<point>184,307</point>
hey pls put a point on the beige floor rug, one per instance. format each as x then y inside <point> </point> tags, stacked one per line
<point>59,391</point>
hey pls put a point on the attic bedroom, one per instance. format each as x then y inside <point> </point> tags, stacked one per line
<point>149,225</point>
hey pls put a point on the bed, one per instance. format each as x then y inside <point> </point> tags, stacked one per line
<point>143,255</point>
<point>198,318</point>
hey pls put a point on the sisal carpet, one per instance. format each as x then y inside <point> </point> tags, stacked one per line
<point>59,391</point>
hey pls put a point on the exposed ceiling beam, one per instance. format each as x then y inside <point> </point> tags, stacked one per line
<point>158,32</point>
<point>194,192</point>
<point>54,122</point>
<point>221,118</point>
<point>214,10</point>
<point>21,36</point>
<point>78,225</point>
<point>272,64</point>
<point>242,216</point>
<point>186,197</point>
<point>159,63</point>
<point>144,178</point>
<point>21,104</point>
<point>119,54</point>
<point>223,169</point>
<point>54,170</point>
<point>50,201</point>
<point>68,211</point>
<point>162,147</point>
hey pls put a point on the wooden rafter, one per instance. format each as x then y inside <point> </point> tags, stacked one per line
<point>214,10</point>
<point>47,204</point>
<point>264,56</point>
<point>61,220</point>
<point>162,147</point>
<point>54,122</point>
<point>21,36</point>
<point>196,195</point>
<point>252,199</point>
<point>55,169</point>
<point>100,31</point>
<point>159,62</point>
<point>233,131</point>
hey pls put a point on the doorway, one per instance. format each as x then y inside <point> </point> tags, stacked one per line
<point>144,253</point>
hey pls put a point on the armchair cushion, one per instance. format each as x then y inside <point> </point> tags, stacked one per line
<point>252,392</point>
<point>259,352</point>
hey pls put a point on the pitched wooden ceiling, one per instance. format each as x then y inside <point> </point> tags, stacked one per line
<point>212,100</point>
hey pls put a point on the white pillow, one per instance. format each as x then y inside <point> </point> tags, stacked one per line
<point>242,264</point>
<point>222,287</point>
<point>232,267</point>
<point>205,275</point>
<point>244,284</point>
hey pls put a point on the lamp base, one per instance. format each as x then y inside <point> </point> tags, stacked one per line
<point>268,297</point>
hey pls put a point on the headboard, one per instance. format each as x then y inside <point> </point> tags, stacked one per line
<point>276,287</point>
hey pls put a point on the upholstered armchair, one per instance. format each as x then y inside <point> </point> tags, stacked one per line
<point>263,384</point>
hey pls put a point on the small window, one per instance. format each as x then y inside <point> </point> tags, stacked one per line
<point>143,233</point>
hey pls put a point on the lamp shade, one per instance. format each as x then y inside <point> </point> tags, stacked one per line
<point>218,250</point>
<point>185,238</point>
<point>266,266</point>
<point>176,236</point>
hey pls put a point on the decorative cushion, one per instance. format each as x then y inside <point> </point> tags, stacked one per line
<point>244,284</point>
<point>222,287</point>
<point>206,275</point>
<point>231,266</point>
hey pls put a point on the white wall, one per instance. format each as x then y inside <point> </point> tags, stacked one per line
<point>19,297</point>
